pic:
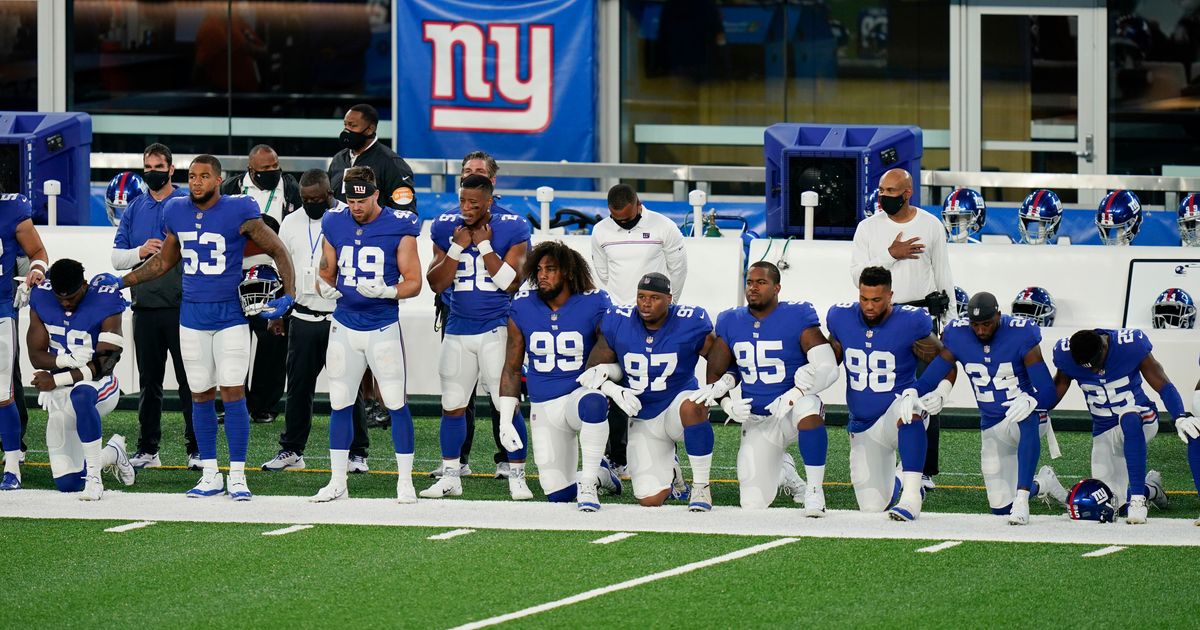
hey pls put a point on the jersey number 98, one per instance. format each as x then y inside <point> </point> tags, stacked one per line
<point>876,371</point>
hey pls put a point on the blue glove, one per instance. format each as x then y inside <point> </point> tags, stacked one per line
<point>278,307</point>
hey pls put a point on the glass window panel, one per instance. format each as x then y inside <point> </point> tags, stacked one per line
<point>18,55</point>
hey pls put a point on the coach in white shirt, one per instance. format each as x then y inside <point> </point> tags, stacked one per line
<point>633,242</point>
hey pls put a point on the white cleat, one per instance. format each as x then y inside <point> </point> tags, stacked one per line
<point>93,489</point>
<point>405,492</point>
<point>905,511</point>
<point>502,471</point>
<point>238,490</point>
<point>1154,479</point>
<point>209,486</point>
<point>330,493</point>
<point>446,486</point>
<point>791,483</point>
<point>1136,514</point>
<point>1019,513</point>
<point>1050,489</point>
<point>814,502</point>
<point>122,469</point>
<point>701,498</point>
<point>587,499</point>
<point>517,488</point>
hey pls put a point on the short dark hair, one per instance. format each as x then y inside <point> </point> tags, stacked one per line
<point>364,173</point>
<point>158,148</point>
<point>314,176</point>
<point>1086,346</point>
<point>572,264</point>
<point>772,270</point>
<point>65,276</point>
<point>875,277</point>
<point>369,113</point>
<point>620,196</point>
<point>260,147</point>
<point>477,182</point>
<point>488,161</point>
<point>210,160</point>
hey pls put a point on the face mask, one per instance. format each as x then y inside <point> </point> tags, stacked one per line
<point>891,205</point>
<point>315,210</point>
<point>267,180</point>
<point>353,140</point>
<point>156,179</point>
<point>628,224</point>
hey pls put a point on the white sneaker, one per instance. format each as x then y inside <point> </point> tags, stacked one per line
<point>791,483</point>
<point>405,492</point>
<point>622,472</point>
<point>122,469</point>
<point>814,502</point>
<point>145,460</point>
<point>464,470</point>
<point>517,488</point>
<point>927,483</point>
<point>446,486</point>
<point>238,490</point>
<point>586,498</point>
<point>194,462</point>
<point>680,491</point>
<point>330,493</point>
<point>93,489</point>
<point>1019,513</point>
<point>1160,500</point>
<point>701,498</point>
<point>21,459</point>
<point>502,470</point>
<point>608,478</point>
<point>1136,514</point>
<point>905,511</point>
<point>285,460</point>
<point>358,464</point>
<point>209,486</point>
<point>1049,488</point>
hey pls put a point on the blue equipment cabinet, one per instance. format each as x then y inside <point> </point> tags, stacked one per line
<point>35,147</point>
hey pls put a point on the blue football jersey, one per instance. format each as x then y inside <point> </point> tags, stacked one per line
<point>879,360</point>
<point>478,305</point>
<point>557,343</point>
<point>211,245</point>
<point>79,328</point>
<point>367,252</point>
<point>767,351</point>
<point>991,367</point>
<point>1119,385</point>
<point>14,209</point>
<point>662,363</point>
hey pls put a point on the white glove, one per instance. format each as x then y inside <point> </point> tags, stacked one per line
<point>711,393</point>
<point>806,378</point>
<point>21,296</point>
<point>910,405</point>
<point>45,399</point>
<point>782,406</point>
<point>1188,427</point>
<point>376,289</point>
<point>325,290</point>
<point>624,397</point>
<point>509,438</point>
<point>1019,408</point>
<point>934,401</point>
<point>73,360</point>
<point>597,375</point>
<point>738,409</point>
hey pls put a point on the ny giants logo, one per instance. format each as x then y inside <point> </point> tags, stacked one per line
<point>532,94</point>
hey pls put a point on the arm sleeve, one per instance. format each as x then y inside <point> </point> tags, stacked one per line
<point>675,253</point>
<point>1043,385</point>
<point>125,258</point>
<point>933,374</point>
<point>862,256</point>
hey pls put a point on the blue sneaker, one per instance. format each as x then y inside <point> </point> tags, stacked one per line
<point>238,490</point>
<point>609,479</point>
<point>10,482</point>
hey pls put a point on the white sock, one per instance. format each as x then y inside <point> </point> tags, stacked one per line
<point>210,466</point>
<point>910,483</point>
<point>237,468</point>
<point>700,467</point>
<point>339,463</point>
<point>1023,495</point>
<point>12,462</point>
<point>404,465</point>
<point>815,475</point>
<point>451,466</point>
<point>593,437</point>
<point>108,456</point>
<point>516,469</point>
<point>91,457</point>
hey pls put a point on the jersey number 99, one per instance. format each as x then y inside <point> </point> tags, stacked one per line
<point>564,351</point>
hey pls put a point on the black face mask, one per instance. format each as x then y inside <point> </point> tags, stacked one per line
<point>891,205</point>
<point>628,224</point>
<point>267,180</point>
<point>353,140</point>
<point>316,210</point>
<point>155,180</point>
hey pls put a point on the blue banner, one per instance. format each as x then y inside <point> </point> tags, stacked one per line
<point>515,79</point>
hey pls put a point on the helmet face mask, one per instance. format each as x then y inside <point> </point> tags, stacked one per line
<point>260,284</point>
<point>963,213</point>
<point>1035,303</point>
<point>1189,220</point>
<point>1039,216</point>
<point>122,190</point>
<point>1092,500</point>
<point>1174,309</point>
<point>961,298</point>
<point>1119,218</point>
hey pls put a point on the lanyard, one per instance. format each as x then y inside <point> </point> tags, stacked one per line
<point>313,244</point>
<point>270,198</point>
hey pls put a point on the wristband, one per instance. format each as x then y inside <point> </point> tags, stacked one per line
<point>63,379</point>
<point>504,276</point>
<point>38,264</point>
<point>87,373</point>
<point>454,252</point>
<point>485,248</point>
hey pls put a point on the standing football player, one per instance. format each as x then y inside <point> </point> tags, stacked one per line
<point>369,262</point>
<point>652,350</point>
<point>880,344</point>
<point>74,342</point>
<point>782,359</point>
<point>208,231</point>
<point>17,235</point>
<point>1189,431</point>
<point>1002,358</point>
<point>477,253</point>
<point>556,326</point>
<point>1109,366</point>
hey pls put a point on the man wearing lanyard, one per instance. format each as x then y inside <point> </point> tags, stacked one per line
<point>276,192</point>
<point>308,332</point>
<point>155,308</point>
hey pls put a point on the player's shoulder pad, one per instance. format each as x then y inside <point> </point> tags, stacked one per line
<point>407,221</point>
<point>16,207</point>
<point>958,322</point>
<point>624,311</point>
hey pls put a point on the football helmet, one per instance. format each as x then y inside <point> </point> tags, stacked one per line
<point>963,212</point>
<point>1189,220</point>
<point>122,190</point>
<point>872,205</point>
<point>1119,217</point>
<point>260,284</point>
<point>1036,304</point>
<point>1174,308</point>
<point>1039,216</point>
<point>961,298</point>
<point>1091,500</point>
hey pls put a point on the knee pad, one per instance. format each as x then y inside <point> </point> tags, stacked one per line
<point>83,397</point>
<point>392,391</point>
<point>73,482</point>
<point>341,395</point>
<point>565,495</point>
<point>593,408</point>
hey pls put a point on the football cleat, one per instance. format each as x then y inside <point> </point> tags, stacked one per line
<point>679,488</point>
<point>210,485</point>
<point>791,483</point>
<point>1160,500</point>
<point>238,490</point>
<point>446,486</point>
<point>93,488</point>
<point>1050,489</point>
<point>21,457</point>
<point>142,459</point>
<point>501,471</point>
<point>358,465</point>
<point>194,462</point>
<point>608,478</point>
<point>586,498</point>
<point>285,460</point>
<point>927,483</point>
<point>463,471</point>
<point>330,493</point>
<point>814,502</point>
<point>405,493</point>
<point>517,488</point>
<point>122,469</point>
<point>905,511</point>
<point>1019,512</point>
<point>622,472</point>
<point>1136,514</point>
<point>701,498</point>
<point>10,482</point>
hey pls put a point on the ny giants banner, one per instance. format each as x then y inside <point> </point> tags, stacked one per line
<point>515,79</point>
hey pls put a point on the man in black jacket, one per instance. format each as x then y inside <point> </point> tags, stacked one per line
<point>277,193</point>
<point>361,147</point>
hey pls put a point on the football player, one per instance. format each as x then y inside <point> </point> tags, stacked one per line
<point>17,235</point>
<point>369,262</point>
<point>1189,431</point>
<point>782,359</point>
<point>1109,366</point>
<point>477,253</point>
<point>556,325</point>
<point>1001,357</point>
<point>74,341</point>
<point>652,350</point>
<point>880,344</point>
<point>208,231</point>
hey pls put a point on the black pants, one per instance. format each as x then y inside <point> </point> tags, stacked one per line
<point>267,380</point>
<point>618,435</point>
<point>155,333</point>
<point>306,345</point>
<point>18,389</point>
<point>500,455</point>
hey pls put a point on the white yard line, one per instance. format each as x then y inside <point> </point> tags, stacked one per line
<point>454,533</point>
<point>617,537</point>
<point>120,529</point>
<point>940,546</point>
<point>287,530</point>
<point>620,586</point>
<point>1103,552</point>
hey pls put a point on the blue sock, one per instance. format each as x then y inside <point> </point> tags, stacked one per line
<point>519,424</point>
<point>10,427</point>
<point>1135,453</point>
<point>204,423</point>
<point>237,429</point>
<point>1194,461</point>
<point>1029,449</point>
<point>814,444</point>
<point>402,430</point>
<point>72,482</point>
<point>912,446</point>
<point>566,495</point>
<point>1004,511</point>
<point>452,435</point>
<point>341,428</point>
<point>87,419</point>
<point>698,439</point>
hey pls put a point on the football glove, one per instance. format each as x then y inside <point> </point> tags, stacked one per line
<point>737,409</point>
<point>73,360</point>
<point>278,307</point>
<point>597,375</point>
<point>1188,427</point>
<point>711,393</point>
<point>1019,408</point>
<point>325,290</point>
<point>910,405</point>
<point>509,438</point>
<point>21,296</point>
<point>376,289</point>
<point>624,398</point>
<point>780,407</point>
<point>934,401</point>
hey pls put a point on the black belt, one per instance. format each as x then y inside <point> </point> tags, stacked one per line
<point>308,311</point>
